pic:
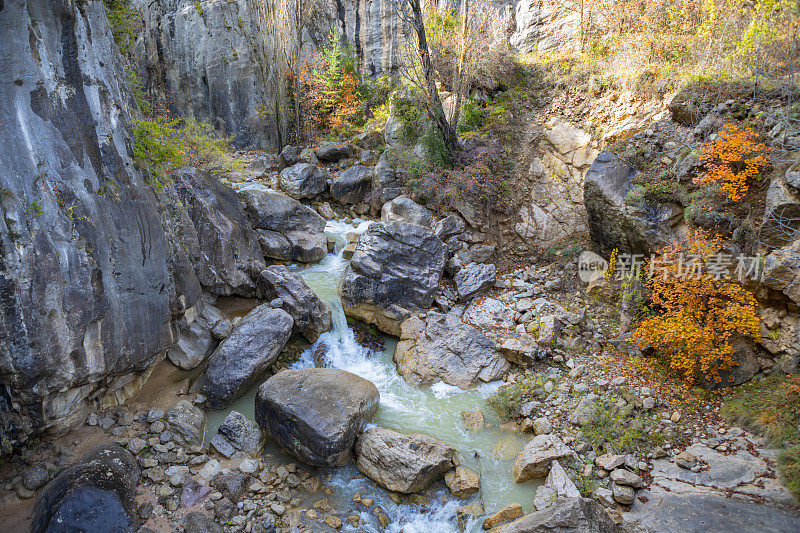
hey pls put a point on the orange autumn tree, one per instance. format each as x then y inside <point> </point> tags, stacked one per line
<point>700,311</point>
<point>732,160</point>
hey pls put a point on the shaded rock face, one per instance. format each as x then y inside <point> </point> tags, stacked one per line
<point>352,185</point>
<point>286,229</point>
<point>244,357</point>
<point>196,338</point>
<point>95,494</point>
<point>316,413</point>
<point>641,228</point>
<point>312,316</point>
<point>228,247</point>
<point>85,276</point>
<point>333,151</point>
<point>781,271</point>
<point>442,348</point>
<point>201,63</point>
<point>781,223</point>
<point>402,463</point>
<point>573,515</point>
<point>395,271</point>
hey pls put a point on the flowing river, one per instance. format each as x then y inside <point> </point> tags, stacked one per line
<point>435,411</point>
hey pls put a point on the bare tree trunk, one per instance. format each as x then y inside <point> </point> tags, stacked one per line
<point>434,108</point>
<point>460,74</point>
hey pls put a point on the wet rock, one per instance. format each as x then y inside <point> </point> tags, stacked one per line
<point>509,512</point>
<point>197,522</point>
<point>535,459</point>
<point>333,151</point>
<point>399,462</point>
<point>237,436</point>
<point>473,420</point>
<point>186,420</point>
<point>474,279</point>
<point>442,348</point>
<point>244,357</point>
<point>395,271</point>
<point>312,316</point>
<point>352,185</point>
<point>227,247</point>
<point>573,515</point>
<point>287,230</point>
<point>316,413</point>
<point>462,482</point>
<point>94,494</point>
<point>303,180</point>
<point>403,209</point>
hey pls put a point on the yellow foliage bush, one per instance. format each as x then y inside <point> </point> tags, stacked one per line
<point>699,312</point>
<point>732,160</point>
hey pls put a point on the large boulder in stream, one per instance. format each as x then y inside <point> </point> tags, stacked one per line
<point>244,357</point>
<point>443,348</point>
<point>303,180</point>
<point>402,463</point>
<point>286,229</point>
<point>312,316</point>
<point>316,413</point>
<point>228,247</point>
<point>395,272</point>
<point>97,493</point>
<point>352,185</point>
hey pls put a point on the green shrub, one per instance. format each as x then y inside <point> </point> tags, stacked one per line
<point>509,399</point>
<point>438,155</point>
<point>613,430</point>
<point>471,116</point>
<point>123,20</point>
<point>160,145</point>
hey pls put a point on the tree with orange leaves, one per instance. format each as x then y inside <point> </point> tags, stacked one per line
<point>732,160</point>
<point>700,311</point>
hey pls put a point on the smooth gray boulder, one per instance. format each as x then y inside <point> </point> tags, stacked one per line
<point>404,209</point>
<point>638,227</point>
<point>395,271</point>
<point>316,413</point>
<point>443,348</point>
<point>474,279</point>
<point>228,247</point>
<point>187,421</point>
<point>400,462</point>
<point>333,151</point>
<point>237,436</point>
<point>303,180</point>
<point>244,357</point>
<point>286,229</point>
<point>573,515</point>
<point>352,185</point>
<point>312,316</point>
<point>97,493</point>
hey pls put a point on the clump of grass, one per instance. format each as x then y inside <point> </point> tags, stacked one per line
<point>771,406</point>
<point>613,430</point>
<point>509,399</point>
